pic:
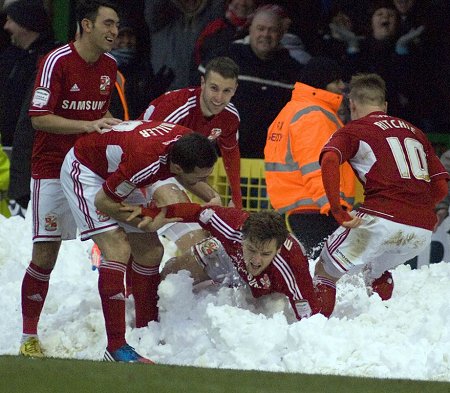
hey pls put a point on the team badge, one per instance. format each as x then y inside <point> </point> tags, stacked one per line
<point>105,84</point>
<point>265,281</point>
<point>209,246</point>
<point>51,222</point>
<point>215,133</point>
<point>102,217</point>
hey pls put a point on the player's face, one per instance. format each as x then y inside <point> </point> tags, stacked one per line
<point>216,94</point>
<point>192,178</point>
<point>384,23</point>
<point>257,256</point>
<point>18,33</point>
<point>104,29</point>
<point>265,34</point>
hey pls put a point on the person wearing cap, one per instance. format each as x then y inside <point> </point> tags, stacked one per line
<point>31,34</point>
<point>294,141</point>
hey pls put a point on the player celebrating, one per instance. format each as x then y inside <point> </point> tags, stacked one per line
<point>71,97</point>
<point>100,172</point>
<point>256,245</point>
<point>207,110</point>
<point>403,180</point>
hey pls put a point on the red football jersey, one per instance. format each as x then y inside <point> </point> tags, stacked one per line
<point>287,274</point>
<point>183,107</point>
<point>395,162</point>
<point>131,155</point>
<point>67,86</point>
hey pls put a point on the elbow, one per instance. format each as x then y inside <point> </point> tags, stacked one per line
<point>36,122</point>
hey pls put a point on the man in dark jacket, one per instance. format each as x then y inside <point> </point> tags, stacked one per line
<point>29,26</point>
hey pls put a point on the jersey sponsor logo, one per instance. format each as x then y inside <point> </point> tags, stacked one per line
<point>84,105</point>
<point>51,222</point>
<point>105,84</point>
<point>124,189</point>
<point>215,133</point>
<point>41,97</point>
<point>102,217</point>
<point>74,88</point>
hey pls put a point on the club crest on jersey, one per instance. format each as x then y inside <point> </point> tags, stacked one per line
<point>51,222</point>
<point>265,281</point>
<point>102,217</point>
<point>105,84</point>
<point>215,133</point>
<point>209,246</point>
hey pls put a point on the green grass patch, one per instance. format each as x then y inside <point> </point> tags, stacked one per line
<point>18,374</point>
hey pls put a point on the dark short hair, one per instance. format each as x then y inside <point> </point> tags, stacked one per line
<point>224,66</point>
<point>88,9</point>
<point>193,150</point>
<point>264,226</point>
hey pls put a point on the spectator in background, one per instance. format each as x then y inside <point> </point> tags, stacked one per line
<point>393,58</point>
<point>221,32</point>
<point>294,141</point>
<point>174,27</point>
<point>30,28</point>
<point>136,86</point>
<point>267,76</point>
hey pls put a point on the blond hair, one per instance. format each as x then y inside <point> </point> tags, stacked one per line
<point>368,89</point>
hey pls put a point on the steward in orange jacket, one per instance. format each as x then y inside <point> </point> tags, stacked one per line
<point>293,175</point>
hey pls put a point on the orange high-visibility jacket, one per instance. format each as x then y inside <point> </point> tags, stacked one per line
<point>291,155</point>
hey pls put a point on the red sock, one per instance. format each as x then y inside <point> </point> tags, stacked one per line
<point>128,280</point>
<point>326,292</point>
<point>34,291</point>
<point>383,285</point>
<point>112,294</point>
<point>145,292</point>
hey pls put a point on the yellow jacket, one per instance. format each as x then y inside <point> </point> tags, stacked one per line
<point>294,141</point>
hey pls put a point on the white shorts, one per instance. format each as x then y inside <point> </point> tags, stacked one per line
<point>176,230</point>
<point>51,215</point>
<point>80,185</point>
<point>376,245</point>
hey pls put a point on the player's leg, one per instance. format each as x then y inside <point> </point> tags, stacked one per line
<point>52,222</point>
<point>147,252</point>
<point>399,243</point>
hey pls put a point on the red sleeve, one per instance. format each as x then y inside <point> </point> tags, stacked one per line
<point>331,179</point>
<point>232,162</point>
<point>439,189</point>
<point>189,212</point>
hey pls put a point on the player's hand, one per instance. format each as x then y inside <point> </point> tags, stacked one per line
<point>149,224</point>
<point>346,219</point>
<point>215,201</point>
<point>102,125</point>
<point>441,215</point>
<point>134,210</point>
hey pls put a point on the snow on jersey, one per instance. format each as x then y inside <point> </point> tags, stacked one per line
<point>67,86</point>
<point>131,155</point>
<point>287,274</point>
<point>395,162</point>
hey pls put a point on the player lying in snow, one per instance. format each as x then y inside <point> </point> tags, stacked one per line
<point>257,246</point>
